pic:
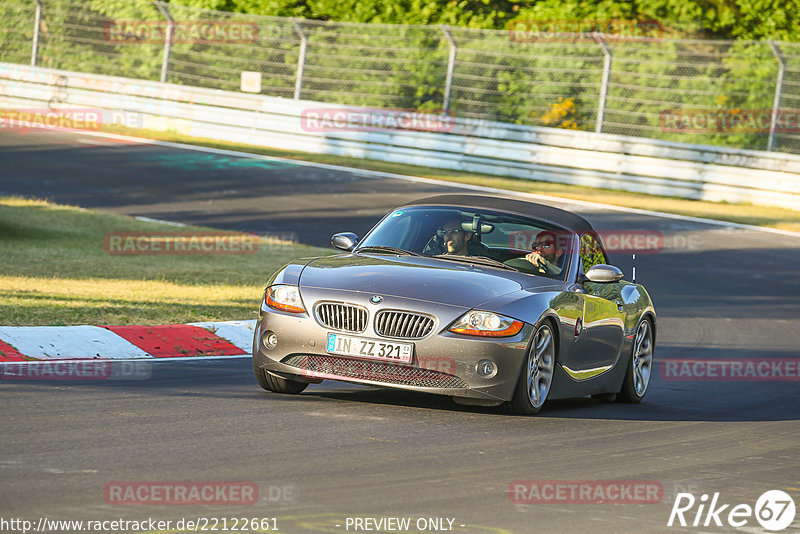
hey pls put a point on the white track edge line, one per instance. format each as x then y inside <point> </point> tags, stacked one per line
<point>434,181</point>
<point>148,219</point>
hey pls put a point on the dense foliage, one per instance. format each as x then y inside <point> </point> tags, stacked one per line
<point>722,19</point>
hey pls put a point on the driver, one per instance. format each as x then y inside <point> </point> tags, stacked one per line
<point>546,257</point>
<point>456,238</point>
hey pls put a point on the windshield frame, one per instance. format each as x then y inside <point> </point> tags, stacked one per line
<point>567,274</point>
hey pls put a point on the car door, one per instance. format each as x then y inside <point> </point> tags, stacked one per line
<point>600,340</point>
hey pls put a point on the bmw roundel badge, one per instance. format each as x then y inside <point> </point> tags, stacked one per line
<point>376,299</point>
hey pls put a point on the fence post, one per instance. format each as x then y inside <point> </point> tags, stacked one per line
<point>601,107</point>
<point>451,67</point>
<point>37,19</point>
<point>301,60</point>
<point>168,40</point>
<point>776,102</point>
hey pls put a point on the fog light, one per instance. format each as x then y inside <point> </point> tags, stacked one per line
<point>269,340</point>
<point>486,369</point>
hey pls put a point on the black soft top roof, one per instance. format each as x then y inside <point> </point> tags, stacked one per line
<point>560,217</point>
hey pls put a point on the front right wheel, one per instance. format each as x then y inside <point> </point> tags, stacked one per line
<point>536,377</point>
<point>277,384</point>
<point>640,366</point>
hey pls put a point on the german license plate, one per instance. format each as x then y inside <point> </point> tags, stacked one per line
<point>374,349</point>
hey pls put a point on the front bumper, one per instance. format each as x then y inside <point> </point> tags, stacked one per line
<point>443,363</point>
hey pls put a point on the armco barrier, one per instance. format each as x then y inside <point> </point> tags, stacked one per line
<point>547,154</point>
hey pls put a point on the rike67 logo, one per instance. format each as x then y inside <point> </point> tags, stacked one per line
<point>774,511</point>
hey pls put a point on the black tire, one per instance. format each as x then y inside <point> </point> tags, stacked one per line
<point>634,387</point>
<point>525,401</point>
<point>277,384</point>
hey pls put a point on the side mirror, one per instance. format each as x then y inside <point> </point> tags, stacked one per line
<point>344,241</point>
<point>603,274</point>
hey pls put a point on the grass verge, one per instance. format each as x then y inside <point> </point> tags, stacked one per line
<point>55,270</point>
<point>772,217</point>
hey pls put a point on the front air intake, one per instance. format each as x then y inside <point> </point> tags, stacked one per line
<point>319,366</point>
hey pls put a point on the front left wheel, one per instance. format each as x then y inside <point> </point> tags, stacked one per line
<point>536,376</point>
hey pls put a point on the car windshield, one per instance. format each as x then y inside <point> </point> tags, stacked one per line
<point>481,237</point>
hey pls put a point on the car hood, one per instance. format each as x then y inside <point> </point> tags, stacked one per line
<point>421,278</point>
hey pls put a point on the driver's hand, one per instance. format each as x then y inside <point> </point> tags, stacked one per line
<point>537,260</point>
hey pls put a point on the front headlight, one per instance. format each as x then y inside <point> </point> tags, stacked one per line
<point>284,297</point>
<point>481,323</point>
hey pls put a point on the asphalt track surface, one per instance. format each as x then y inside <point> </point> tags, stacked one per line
<point>350,451</point>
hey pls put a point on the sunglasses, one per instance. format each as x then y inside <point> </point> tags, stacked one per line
<point>450,232</point>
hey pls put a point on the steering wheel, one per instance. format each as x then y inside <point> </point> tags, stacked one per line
<point>525,266</point>
<point>434,246</point>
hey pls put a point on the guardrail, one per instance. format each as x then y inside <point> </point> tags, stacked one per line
<point>546,154</point>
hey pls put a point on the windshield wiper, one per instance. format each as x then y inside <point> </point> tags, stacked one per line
<point>391,250</point>
<point>480,260</point>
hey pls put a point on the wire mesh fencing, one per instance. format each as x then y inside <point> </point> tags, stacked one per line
<point>741,94</point>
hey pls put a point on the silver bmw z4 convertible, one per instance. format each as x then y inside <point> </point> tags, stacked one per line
<point>487,300</point>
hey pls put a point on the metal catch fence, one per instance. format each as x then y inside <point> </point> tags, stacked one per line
<point>742,94</point>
